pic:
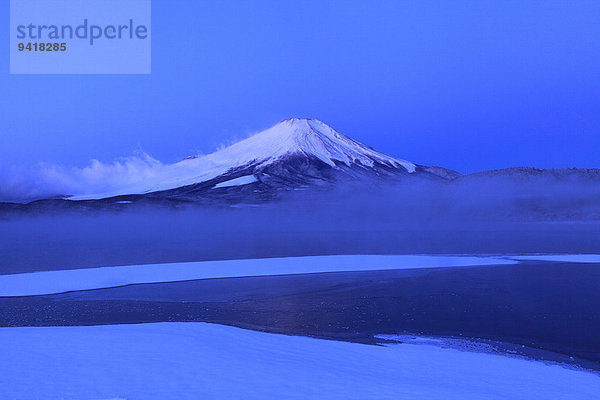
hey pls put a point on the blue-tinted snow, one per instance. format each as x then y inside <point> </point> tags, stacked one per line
<point>48,282</point>
<point>204,361</point>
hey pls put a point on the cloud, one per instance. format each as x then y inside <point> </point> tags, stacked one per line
<point>45,180</point>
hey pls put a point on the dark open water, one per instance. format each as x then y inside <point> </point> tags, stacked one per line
<point>551,308</point>
<point>48,244</point>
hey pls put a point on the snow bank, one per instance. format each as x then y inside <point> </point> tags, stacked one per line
<point>48,282</point>
<point>204,361</point>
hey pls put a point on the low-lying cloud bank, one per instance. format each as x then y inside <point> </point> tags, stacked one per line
<point>379,204</point>
<point>23,184</point>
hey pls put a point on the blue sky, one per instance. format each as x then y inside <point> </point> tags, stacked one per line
<point>464,85</point>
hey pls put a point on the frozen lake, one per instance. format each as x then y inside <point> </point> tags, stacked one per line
<point>550,307</point>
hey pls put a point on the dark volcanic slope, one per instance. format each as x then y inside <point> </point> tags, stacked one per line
<point>550,306</point>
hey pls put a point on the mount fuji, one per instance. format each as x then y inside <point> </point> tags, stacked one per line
<point>295,154</point>
<point>298,157</point>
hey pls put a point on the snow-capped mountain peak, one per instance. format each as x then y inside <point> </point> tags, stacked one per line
<point>276,148</point>
<point>309,137</point>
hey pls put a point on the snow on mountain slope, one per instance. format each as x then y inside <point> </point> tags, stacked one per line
<point>294,137</point>
<point>309,137</point>
<point>242,180</point>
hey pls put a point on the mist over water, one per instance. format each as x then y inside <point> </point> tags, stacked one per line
<point>414,217</point>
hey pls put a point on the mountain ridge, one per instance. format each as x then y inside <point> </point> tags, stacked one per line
<point>303,155</point>
<point>294,154</point>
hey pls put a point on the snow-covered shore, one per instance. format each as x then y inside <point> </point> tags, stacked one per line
<point>199,360</point>
<point>49,282</point>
